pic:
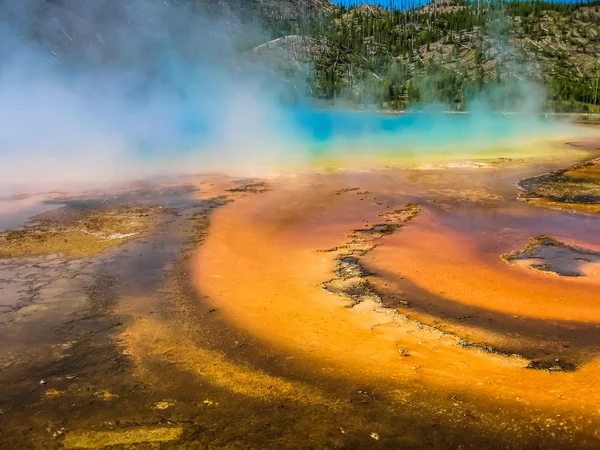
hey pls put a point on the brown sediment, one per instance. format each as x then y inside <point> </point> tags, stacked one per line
<point>350,279</point>
<point>586,208</point>
<point>130,436</point>
<point>151,338</point>
<point>344,190</point>
<point>90,223</point>
<point>132,358</point>
<point>250,187</point>
<point>68,380</point>
<point>84,233</point>
<point>394,221</point>
<point>576,188</point>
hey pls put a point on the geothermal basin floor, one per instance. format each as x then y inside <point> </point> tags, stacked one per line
<point>334,308</point>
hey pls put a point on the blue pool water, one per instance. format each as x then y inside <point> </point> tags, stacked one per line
<point>318,132</point>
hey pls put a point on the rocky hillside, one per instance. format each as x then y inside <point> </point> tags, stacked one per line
<point>450,50</point>
<point>294,9</point>
<point>106,31</point>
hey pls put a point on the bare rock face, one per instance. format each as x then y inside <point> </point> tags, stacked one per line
<point>122,30</point>
<point>295,9</point>
<point>274,12</point>
<point>291,50</point>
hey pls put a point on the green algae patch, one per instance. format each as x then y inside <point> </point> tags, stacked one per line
<point>134,435</point>
<point>576,188</point>
<point>81,233</point>
<point>546,254</point>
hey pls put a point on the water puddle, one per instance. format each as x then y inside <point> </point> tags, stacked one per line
<point>16,213</point>
<point>548,255</point>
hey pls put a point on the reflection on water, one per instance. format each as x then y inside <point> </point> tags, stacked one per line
<point>548,255</point>
<point>15,213</point>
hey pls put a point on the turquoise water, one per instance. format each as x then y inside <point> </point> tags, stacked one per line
<point>429,128</point>
<point>321,132</point>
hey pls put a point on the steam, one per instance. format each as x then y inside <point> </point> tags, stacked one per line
<point>102,91</point>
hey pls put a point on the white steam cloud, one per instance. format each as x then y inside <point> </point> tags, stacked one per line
<point>95,91</point>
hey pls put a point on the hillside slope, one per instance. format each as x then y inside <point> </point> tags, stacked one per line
<point>107,31</point>
<point>451,50</point>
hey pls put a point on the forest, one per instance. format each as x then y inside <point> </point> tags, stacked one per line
<point>449,51</point>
